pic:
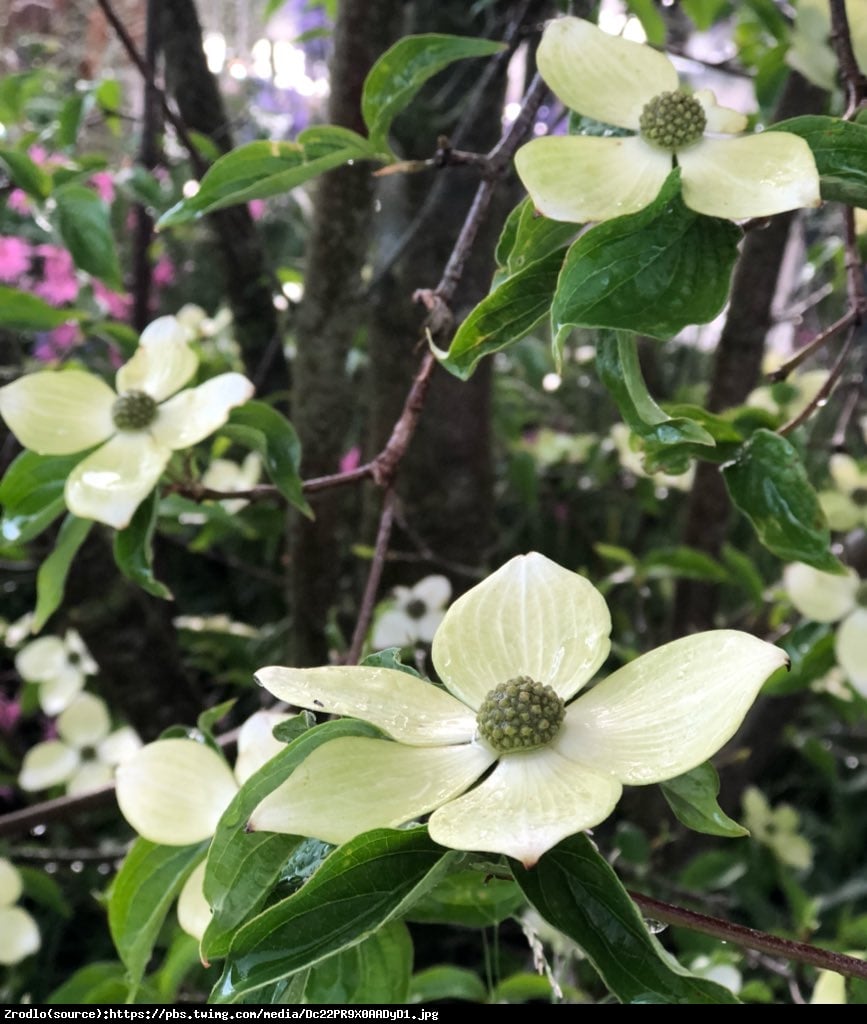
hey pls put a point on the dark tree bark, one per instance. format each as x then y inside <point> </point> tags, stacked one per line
<point>246,274</point>
<point>328,320</point>
<point>736,371</point>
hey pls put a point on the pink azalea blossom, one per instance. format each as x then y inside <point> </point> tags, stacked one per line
<point>14,258</point>
<point>18,202</point>
<point>164,272</point>
<point>116,304</point>
<point>55,343</point>
<point>38,154</point>
<point>59,283</point>
<point>103,182</point>
<point>351,460</point>
<point>256,208</point>
<point>10,712</point>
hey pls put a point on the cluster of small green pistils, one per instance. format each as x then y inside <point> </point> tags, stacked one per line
<point>133,410</point>
<point>520,715</point>
<point>672,120</point>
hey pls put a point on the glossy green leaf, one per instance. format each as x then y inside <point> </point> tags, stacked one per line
<point>768,483</point>
<point>505,316</point>
<point>375,971</point>
<point>395,79</point>
<point>653,272</point>
<point>133,549</point>
<point>259,170</point>
<point>369,881</point>
<point>575,889</point>
<point>447,982</point>
<point>51,576</point>
<point>21,311</point>
<point>26,174</point>
<point>469,898</point>
<point>683,563</point>
<point>31,494</point>
<point>260,428</point>
<point>390,658</point>
<point>149,880</point>
<point>705,12</point>
<point>98,983</point>
<point>244,866</point>
<point>693,798</point>
<point>669,441</point>
<point>208,719</point>
<point>742,570</point>
<point>840,151</point>
<point>82,219</point>
<point>651,20</point>
<point>526,237</point>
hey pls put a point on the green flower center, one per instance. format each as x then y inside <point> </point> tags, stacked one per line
<point>133,410</point>
<point>672,120</point>
<point>859,497</point>
<point>416,609</point>
<point>520,715</point>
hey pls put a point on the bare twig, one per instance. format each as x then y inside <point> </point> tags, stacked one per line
<point>841,40</point>
<point>821,339</point>
<point>371,587</point>
<point>825,390</point>
<point>848,410</point>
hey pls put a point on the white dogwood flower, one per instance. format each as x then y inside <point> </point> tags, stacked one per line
<point>610,79</point>
<point>60,412</point>
<point>59,667</point>
<point>19,933</point>
<point>416,613</point>
<point>512,652</point>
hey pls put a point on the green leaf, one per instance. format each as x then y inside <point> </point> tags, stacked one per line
<point>705,12</point>
<point>505,316</point>
<point>651,20</point>
<point>149,880</point>
<point>364,884</point>
<point>51,576</point>
<point>262,169</point>
<point>21,311</point>
<point>768,483</point>
<point>133,549</point>
<point>840,151</point>
<point>683,563</point>
<point>98,983</point>
<point>743,571</point>
<point>243,866</point>
<point>375,971</point>
<point>652,272</point>
<point>210,717</point>
<point>576,890</point>
<point>669,441</point>
<point>390,658</point>
<point>395,79</point>
<point>469,898</point>
<point>82,219</point>
<point>24,173</point>
<point>447,982</point>
<point>526,237</point>
<point>693,798</point>
<point>31,494</point>
<point>257,426</point>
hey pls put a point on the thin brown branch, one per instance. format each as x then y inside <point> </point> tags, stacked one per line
<point>825,390</point>
<point>371,587</point>
<point>847,412</point>
<point>841,40</point>
<point>751,938</point>
<point>821,339</point>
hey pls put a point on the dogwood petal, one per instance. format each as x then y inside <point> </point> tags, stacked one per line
<point>394,628</point>
<point>110,484</point>
<point>670,709</point>
<point>435,591</point>
<point>85,722</point>
<point>840,510</point>
<point>846,473</point>
<point>527,805</point>
<point>752,176</point>
<point>58,412</point>
<point>118,746</point>
<point>531,618</point>
<point>256,743</point>
<point>581,178</point>
<point>194,911</point>
<point>19,935</point>
<point>47,764</point>
<point>820,596</point>
<point>162,363</point>
<point>197,412</point>
<point>850,646</point>
<point>719,119</point>
<point>408,709</point>
<point>605,77</point>
<point>11,885</point>
<point>354,784</point>
<point>174,791</point>
<point>89,775</point>
<point>57,693</point>
<point>41,660</point>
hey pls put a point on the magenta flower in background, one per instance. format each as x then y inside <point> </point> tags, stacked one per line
<point>256,208</point>
<point>351,460</point>
<point>18,202</point>
<point>59,283</point>
<point>14,258</point>
<point>163,272</point>
<point>38,154</point>
<point>54,344</point>
<point>103,182</point>
<point>10,712</point>
<point>116,304</point>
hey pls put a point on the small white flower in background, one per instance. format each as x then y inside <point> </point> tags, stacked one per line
<point>618,82</point>
<point>722,973</point>
<point>501,760</point>
<point>226,475</point>
<point>416,613</point>
<point>777,828</point>
<point>174,792</point>
<point>19,933</point>
<point>15,633</point>
<point>85,755</point>
<point>790,397</point>
<point>631,456</point>
<point>824,597</point>
<point>215,624</point>
<point>59,668</point>
<point>846,507</point>
<point>60,412</point>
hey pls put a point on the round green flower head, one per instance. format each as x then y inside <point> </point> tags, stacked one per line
<point>520,715</point>
<point>672,120</point>
<point>133,410</point>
